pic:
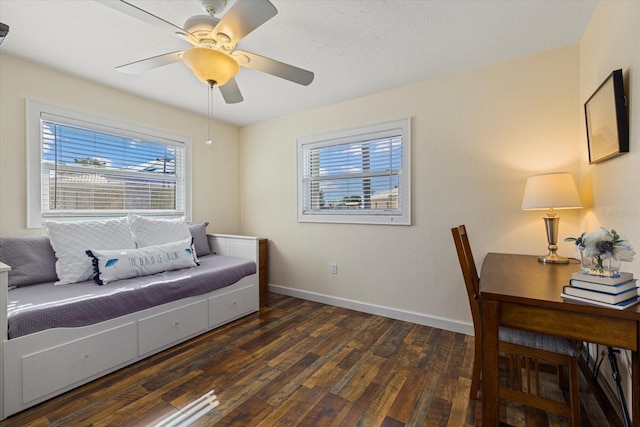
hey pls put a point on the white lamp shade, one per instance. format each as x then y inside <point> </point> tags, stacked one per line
<point>551,191</point>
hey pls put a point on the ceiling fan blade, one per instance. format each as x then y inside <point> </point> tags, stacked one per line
<point>244,17</point>
<point>143,65</point>
<point>144,16</point>
<point>231,92</point>
<point>276,68</point>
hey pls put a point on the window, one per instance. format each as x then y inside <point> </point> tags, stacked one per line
<point>80,166</point>
<point>359,175</point>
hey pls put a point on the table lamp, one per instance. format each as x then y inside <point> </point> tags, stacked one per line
<point>550,191</point>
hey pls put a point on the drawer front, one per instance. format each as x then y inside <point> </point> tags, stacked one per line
<point>231,305</point>
<point>584,326</point>
<point>172,326</point>
<point>55,368</point>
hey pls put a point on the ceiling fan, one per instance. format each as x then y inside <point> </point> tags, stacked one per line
<point>213,56</point>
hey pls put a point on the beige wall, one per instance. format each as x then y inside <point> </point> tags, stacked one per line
<point>215,172</point>
<point>476,137</point>
<point>612,188</point>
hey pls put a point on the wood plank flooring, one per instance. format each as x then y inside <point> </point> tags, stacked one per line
<point>299,363</point>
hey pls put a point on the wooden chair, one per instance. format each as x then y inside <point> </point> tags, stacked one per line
<point>523,349</point>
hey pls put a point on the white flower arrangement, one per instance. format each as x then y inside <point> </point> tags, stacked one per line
<point>602,245</point>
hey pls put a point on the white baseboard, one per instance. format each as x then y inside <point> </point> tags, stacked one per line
<point>393,313</point>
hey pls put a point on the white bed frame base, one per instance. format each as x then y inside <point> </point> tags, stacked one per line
<point>39,366</point>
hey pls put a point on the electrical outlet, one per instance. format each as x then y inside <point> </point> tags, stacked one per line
<point>334,268</point>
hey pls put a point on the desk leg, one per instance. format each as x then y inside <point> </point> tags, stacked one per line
<point>635,388</point>
<point>490,364</point>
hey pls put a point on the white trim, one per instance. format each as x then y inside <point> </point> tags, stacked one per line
<point>403,217</point>
<point>392,313</point>
<point>34,111</point>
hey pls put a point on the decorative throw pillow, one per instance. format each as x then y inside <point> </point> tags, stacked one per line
<point>71,239</point>
<point>111,265</point>
<point>31,259</point>
<point>156,231</point>
<point>200,241</point>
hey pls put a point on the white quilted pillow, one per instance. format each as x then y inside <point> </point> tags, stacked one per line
<point>116,264</point>
<point>71,239</point>
<point>156,231</point>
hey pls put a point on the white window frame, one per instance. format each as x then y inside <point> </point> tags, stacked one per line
<point>400,216</point>
<point>36,111</point>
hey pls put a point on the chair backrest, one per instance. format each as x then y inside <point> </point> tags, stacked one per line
<point>470,275</point>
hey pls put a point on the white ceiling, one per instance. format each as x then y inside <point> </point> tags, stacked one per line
<point>354,47</point>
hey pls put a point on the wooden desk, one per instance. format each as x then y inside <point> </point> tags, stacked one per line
<point>520,292</point>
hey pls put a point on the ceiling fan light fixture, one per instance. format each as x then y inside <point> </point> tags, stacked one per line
<point>211,64</point>
<point>214,58</point>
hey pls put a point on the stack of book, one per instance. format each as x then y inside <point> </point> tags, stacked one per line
<point>615,292</point>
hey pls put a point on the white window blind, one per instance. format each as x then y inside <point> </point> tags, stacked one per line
<point>88,169</point>
<point>359,175</point>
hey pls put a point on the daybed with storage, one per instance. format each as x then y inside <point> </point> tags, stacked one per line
<point>41,360</point>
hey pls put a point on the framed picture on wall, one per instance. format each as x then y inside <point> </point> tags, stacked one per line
<point>606,118</point>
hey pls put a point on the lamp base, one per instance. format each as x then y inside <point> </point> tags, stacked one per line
<point>553,258</point>
<point>551,224</point>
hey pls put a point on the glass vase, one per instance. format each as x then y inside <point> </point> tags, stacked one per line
<point>597,266</point>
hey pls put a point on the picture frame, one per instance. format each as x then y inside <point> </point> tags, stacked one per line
<point>606,119</point>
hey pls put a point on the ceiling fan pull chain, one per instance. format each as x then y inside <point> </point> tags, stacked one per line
<point>209,112</point>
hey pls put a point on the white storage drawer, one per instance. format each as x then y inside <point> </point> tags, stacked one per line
<point>57,367</point>
<point>172,326</point>
<point>231,305</point>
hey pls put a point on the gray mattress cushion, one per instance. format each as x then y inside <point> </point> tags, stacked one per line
<point>44,306</point>
<point>31,258</point>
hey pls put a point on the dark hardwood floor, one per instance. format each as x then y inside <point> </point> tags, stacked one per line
<point>299,363</point>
